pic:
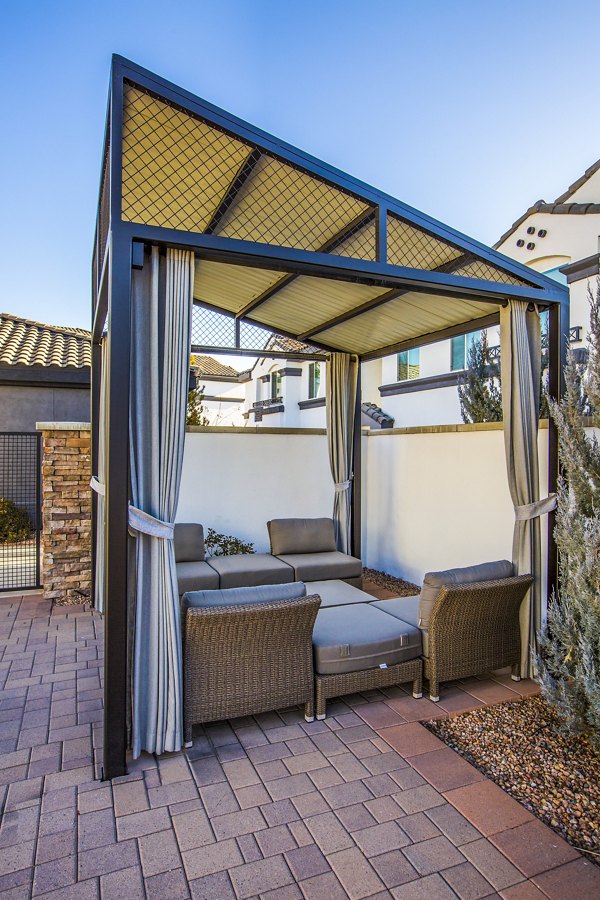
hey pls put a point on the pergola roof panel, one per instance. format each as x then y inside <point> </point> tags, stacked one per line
<point>231,287</point>
<point>404,318</point>
<point>307,302</point>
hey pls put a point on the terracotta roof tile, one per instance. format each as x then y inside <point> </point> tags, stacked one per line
<point>27,343</point>
<point>206,365</point>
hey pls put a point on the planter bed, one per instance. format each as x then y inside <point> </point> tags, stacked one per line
<point>521,746</point>
<point>398,586</point>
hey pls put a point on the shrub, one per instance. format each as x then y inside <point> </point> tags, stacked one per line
<point>14,523</point>
<point>225,544</point>
<point>570,644</point>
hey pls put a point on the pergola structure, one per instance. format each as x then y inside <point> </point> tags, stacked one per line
<point>282,243</point>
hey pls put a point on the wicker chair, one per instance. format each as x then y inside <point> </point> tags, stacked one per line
<point>244,659</point>
<point>474,628</point>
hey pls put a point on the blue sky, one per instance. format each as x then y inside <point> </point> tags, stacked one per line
<point>469,111</point>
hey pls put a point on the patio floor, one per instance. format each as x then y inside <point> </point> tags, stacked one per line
<point>367,803</point>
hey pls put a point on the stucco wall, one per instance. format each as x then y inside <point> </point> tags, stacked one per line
<point>432,499</point>
<point>22,407</point>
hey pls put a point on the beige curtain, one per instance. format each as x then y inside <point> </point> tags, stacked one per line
<point>342,378</point>
<point>520,343</point>
<point>97,482</point>
<point>160,353</point>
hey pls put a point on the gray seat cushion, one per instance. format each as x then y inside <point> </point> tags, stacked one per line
<point>406,609</point>
<point>195,576</point>
<point>434,581</point>
<point>188,541</point>
<point>237,596</point>
<point>337,593</point>
<point>353,638</point>
<point>251,569</point>
<point>323,566</point>
<point>301,536</point>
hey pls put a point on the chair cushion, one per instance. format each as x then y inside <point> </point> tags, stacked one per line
<point>188,539</point>
<point>323,566</point>
<point>195,576</point>
<point>353,638</point>
<point>237,596</point>
<point>406,609</point>
<point>337,593</point>
<point>251,569</point>
<point>301,536</point>
<point>433,581</point>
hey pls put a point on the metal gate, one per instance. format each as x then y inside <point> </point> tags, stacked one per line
<point>20,510</point>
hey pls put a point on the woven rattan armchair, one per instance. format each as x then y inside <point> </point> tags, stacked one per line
<point>246,659</point>
<point>474,628</point>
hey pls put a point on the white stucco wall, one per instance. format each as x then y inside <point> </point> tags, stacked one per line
<point>235,481</point>
<point>430,500</point>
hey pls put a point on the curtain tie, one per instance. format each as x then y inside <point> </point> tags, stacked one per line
<point>341,486</point>
<point>97,486</point>
<point>144,523</point>
<point>535,509</point>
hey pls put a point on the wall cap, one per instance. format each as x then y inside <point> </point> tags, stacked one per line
<point>251,429</point>
<point>62,426</point>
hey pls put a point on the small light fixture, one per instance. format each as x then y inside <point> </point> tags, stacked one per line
<point>531,230</point>
<point>530,245</point>
<point>520,242</point>
<point>542,232</point>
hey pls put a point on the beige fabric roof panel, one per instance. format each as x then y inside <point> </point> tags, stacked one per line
<point>231,287</point>
<point>409,316</point>
<point>308,301</point>
<point>280,205</point>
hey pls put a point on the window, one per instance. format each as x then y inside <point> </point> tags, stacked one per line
<point>275,385</point>
<point>314,379</point>
<point>409,365</point>
<point>459,352</point>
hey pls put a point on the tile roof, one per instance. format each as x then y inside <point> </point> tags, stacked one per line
<point>580,181</point>
<point>206,365</point>
<point>288,345</point>
<point>27,343</point>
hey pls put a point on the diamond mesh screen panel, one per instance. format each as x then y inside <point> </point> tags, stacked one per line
<point>359,243</point>
<point>252,337</point>
<point>176,168</point>
<point>20,472</point>
<point>281,205</point>
<point>181,172</point>
<point>413,247</point>
<point>211,328</point>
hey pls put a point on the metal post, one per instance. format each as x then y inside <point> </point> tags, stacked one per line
<point>558,342</point>
<point>356,510</point>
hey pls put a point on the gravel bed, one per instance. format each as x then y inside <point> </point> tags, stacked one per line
<point>521,746</point>
<point>382,579</point>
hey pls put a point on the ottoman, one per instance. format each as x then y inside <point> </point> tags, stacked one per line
<point>337,593</point>
<point>359,647</point>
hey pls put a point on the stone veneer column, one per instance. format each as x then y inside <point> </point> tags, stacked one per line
<point>66,564</point>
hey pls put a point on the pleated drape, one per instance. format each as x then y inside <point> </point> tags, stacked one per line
<point>161,321</point>
<point>520,344</point>
<point>342,379</point>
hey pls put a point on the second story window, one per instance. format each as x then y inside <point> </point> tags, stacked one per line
<point>459,352</point>
<point>409,364</point>
<point>314,380</point>
<point>275,385</point>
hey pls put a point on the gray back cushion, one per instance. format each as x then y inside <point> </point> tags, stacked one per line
<point>434,581</point>
<point>301,536</point>
<point>236,596</point>
<point>188,540</point>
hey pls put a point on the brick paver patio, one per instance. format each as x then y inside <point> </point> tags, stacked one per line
<point>367,803</point>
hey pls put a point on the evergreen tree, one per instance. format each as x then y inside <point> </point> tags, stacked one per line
<point>570,647</point>
<point>196,412</point>
<point>479,389</point>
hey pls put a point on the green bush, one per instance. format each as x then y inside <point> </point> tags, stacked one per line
<point>14,523</point>
<point>225,544</point>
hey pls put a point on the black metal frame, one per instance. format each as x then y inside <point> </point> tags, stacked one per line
<point>28,456</point>
<point>111,293</point>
